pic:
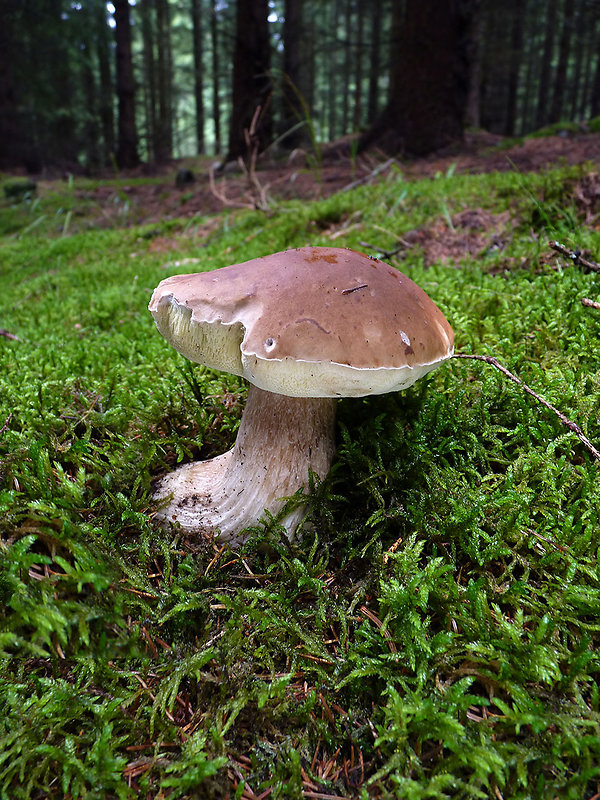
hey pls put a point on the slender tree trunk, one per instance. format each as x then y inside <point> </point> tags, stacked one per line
<point>127,152</point>
<point>546,69</point>
<point>150,105</point>
<point>595,101</point>
<point>495,66</point>
<point>198,73</point>
<point>216,107</point>
<point>347,66</point>
<point>429,79</point>
<point>475,43</point>
<point>310,70</point>
<point>293,89</point>
<point>63,144</point>
<point>251,77</point>
<point>514,65</point>
<point>374,61</point>
<point>13,145</point>
<point>560,79</point>
<point>90,92</point>
<point>106,84</point>
<point>580,48</point>
<point>590,48</point>
<point>531,60</point>
<point>163,148</point>
<point>358,63</point>
<point>333,64</point>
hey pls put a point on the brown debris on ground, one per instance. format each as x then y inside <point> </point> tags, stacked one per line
<point>467,233</point>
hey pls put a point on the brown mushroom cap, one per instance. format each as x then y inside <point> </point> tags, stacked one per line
<point>311,322</point>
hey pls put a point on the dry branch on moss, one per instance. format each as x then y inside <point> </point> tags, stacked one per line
<point>572,426</point>
<point>575,256</point>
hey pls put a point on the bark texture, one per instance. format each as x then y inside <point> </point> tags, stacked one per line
<point>251,77</point>
<point>127,148</point>
<point>429,79</point>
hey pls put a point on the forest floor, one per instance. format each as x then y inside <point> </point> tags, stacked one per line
<point>312,177</point>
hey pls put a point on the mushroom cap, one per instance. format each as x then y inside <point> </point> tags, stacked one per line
<point>310,322</point>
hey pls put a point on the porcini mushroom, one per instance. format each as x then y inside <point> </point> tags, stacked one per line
<point>304,327</point>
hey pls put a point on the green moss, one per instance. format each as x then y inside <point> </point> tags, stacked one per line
<point>434,631</point>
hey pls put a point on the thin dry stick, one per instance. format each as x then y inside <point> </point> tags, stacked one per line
<point>575,256</point>
<point>258,193</point>
<point>572,426</point>
<point>220,195</point>
<point>373,174</point>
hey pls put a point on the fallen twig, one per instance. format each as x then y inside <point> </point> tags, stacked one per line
<point>575,256</point>
<point>585,301</point>
<point>572,426</point>
<point>258,193</point>
<point>221,196</point>
<point>9,335</point>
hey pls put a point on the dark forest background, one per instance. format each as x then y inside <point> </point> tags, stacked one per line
<point>86,85</point>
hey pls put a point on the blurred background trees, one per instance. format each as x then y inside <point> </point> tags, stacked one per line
<point>89,83</point>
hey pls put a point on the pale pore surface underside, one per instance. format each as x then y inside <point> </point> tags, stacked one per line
<point>279,439</point>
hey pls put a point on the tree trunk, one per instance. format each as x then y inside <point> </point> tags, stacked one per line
<point>251,78</point>
<point>12,141</point>
<point>542,115</point>
<point>310,64</point>
<point>495,66</point>
<point>127,152</point>
<point>595,101</point>
<point>514,65</point>
<point>332,47</point>
<point>591,40</point>
<point>347,66</point>
<point>91,127</point>
<point>149,60</point>
<point>163,147</point>
<point>429,79</point>
<point>198,73</point>
<point>216,107</point>
<point>358,64</point>
<point>62,143</point>
<point>293,89</point>
<point>106,85</point>
<point>475,44</point>
<point>532,62</point>
<point>374,62</point>
<point>560,79</point>
<point>580,48</point>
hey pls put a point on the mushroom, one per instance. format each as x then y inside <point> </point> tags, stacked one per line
<point>304,327</point>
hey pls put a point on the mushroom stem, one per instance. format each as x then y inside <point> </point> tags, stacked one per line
<point>280,438</point>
